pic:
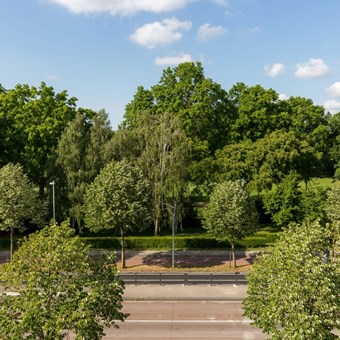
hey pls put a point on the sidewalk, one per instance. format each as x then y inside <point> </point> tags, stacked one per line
<point>186,259</point>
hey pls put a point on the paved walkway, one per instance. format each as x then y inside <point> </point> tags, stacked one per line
<point>184,259</point>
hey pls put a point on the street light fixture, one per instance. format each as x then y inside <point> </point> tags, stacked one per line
<point>53,198</point>
<point>174,225</point>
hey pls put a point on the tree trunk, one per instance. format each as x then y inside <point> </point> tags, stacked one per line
<point>156,232</point>
<point>234,257</point>
<point>42,184</point>
<point>12,243</point>
<point>122,243</point>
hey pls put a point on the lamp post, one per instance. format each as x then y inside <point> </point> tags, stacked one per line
<point>174,223</point>
<point>53,198</point>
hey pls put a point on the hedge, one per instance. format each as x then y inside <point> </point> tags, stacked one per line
<point>181,242</point>
<point>261,239</point>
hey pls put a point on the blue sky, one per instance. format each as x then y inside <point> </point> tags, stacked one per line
<point>101,50</point>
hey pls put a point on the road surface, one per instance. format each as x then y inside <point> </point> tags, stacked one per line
<point>184,320</point>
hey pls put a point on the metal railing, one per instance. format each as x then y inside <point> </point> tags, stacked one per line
<point>186,278</point>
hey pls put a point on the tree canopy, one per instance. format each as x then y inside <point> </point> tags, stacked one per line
<point>38,116</point>
<point>293,289</point>
<point>118,198</point>
<point>60,289</point>
<point>19,203</point>
<point>230,214</point>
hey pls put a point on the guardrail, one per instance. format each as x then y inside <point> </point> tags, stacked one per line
<point>183,278</point>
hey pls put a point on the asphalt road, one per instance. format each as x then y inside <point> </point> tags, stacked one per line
<point>184,320</point>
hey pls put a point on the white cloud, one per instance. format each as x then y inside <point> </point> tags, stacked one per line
<point>283,96</point>
<point>160,33</point>
<point>332,106</point>
<point>274,70</point>
<point>121,7</point>
<point>334,89</point>
<point>208,31</point>
<point>314,68</point>
<point>173,60</point>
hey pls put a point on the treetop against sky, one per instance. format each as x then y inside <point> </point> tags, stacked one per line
<point>101,51</point>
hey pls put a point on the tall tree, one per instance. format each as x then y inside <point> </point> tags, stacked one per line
<point>82,154</point>
<point>19,203</point>
<point>164,160</point>
<point>118,198</point>
<point>38,116</point>
<point>200,103</point>
<point>335,144</point>
<point>256,112</point>
<point>61,289</point>
<point>230,214</point>
<point>12,139</point>
<point>142,102</point>
<point>293,289</point>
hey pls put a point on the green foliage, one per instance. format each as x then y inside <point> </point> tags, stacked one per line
<point>267,160</point>
<point>230,214</point>
<point>332,205</point>
<point>181,242</point>
<point>289,202</point>
<point>293,289</point>
<point>283,200</point>
<point>60,289</point>
<point>164,160</point>
<point>118,198</point>
<point>37,118</point>
<point>19,203</point>
<point>200,104</point>
<point>82,154</point>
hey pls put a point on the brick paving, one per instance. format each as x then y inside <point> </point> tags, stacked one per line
<point>158,260</point>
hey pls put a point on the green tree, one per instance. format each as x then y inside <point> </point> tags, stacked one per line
<point>332,205</point>
<point>60,287</point>
<point>312,203</point>
<point>37,117</point>
<point>142,102</point>
<point>118,198</point>
<point>335,143</point>
<point>293,288</point>
<point>230,214</point>
<point>19,203</point>
<point>282,202</point>
<point>82,153</point>
<point>164,159</point>
<point>256,112</point>
<point>12,139</point>
<point>267,160</point>
<point>200,103</point>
